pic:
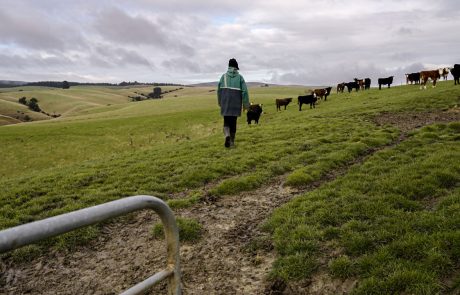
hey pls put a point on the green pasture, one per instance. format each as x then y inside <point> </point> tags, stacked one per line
<point>173,148</point>
<point>392,223</point>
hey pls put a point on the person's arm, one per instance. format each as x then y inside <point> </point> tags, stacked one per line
<point>245,94</point>
<point>219,85</point>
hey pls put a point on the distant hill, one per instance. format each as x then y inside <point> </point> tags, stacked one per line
<point>7,83</point>
<point>250,84</point>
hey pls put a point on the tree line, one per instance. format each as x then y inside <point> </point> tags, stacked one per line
<point>66,85</point>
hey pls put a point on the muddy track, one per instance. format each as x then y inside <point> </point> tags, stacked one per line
<point>222,262</point>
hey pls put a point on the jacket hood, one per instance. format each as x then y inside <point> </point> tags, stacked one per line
<point>232,72</point>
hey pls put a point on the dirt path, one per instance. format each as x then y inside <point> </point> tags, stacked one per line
<point>126,254</point>
<point>220,263</point>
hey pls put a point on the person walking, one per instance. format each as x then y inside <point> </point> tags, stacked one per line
<point>232,94</point>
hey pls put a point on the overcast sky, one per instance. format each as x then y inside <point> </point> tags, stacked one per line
<point>306,42</point>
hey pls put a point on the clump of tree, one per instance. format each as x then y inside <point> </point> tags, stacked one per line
<point>135,83</point>
<point>23,100</point>
<point>54,84</point>
<point>136,98</point>
<point>59,84</point>
<point>156,93</point>
<point>31,104</point>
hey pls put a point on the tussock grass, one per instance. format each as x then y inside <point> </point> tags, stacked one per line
<point>394,220</point>
<point>189,230</point>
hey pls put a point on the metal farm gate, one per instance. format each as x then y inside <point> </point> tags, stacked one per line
<point>25,234</point>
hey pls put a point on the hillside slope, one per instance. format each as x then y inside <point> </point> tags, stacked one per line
<point>345,163</point>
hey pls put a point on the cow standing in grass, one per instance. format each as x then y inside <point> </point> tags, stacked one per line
<point>351,86</point>
<point>413,78</point>
<point>360,83</point>
<point>323,92</point>
<point>254,112</point>
<point>367,83</point>
<point>340,87</point>
<point>385,81</point>
<point>434,75</point>
<point>455,71</point>
<point>307,99</point>
<point>282,102</point>
<point>444,72</point>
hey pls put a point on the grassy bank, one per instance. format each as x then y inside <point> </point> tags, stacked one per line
<point>173,147</point>
<point>391,223</point>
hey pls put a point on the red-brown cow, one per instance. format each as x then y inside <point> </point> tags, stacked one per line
<point>425,75</point>
<point>360,83</point>
<point>323,92</point>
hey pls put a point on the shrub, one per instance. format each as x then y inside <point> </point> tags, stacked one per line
<point>23,100</point>
<point>34,106</point>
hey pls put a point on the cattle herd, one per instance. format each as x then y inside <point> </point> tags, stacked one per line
<point>421,78</point>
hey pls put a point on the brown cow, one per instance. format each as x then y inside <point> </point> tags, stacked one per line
<point>282,102</point>
<point>425,75</point>
<point>340,87</point>
<point>360,83</point>
<point>444,72</point>
<point>323,92</point>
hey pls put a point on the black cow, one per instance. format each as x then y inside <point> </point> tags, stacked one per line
<point>367,83</point>
<point>413,78</point>
<point>253,113</point>
<point>455,71</point>
<point>385,81</point>
<point>351,86</point>
<point>307,99</point>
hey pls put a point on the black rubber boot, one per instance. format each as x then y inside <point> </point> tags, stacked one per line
<point>227,137</point>
<point>232,139</point>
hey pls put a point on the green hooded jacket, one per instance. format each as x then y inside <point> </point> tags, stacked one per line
<point>232,93</point>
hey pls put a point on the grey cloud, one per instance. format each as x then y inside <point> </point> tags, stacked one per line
<point>26,32</point>
<point>32,61</point>
<point>35,30</point>
<point>181,64</point>
<point>317,42</point>
<point>107,56</point>
<point>123,29</point>
<point>404,31</point>
<point>115,25</point>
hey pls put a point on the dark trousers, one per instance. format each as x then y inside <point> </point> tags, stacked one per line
<point>230,122</point>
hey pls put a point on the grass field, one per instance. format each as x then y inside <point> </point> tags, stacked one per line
<point>404,197</point>
<point>392,222</point>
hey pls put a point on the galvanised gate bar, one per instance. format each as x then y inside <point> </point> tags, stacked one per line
<point>25,234</point>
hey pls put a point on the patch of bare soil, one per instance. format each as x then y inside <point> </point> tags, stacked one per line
<point>125,254</point>
<point>222,262</point>
<point>412,120</point>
